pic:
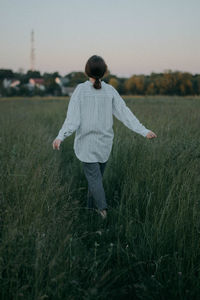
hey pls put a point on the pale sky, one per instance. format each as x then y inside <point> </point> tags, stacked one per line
<point>133,36</point>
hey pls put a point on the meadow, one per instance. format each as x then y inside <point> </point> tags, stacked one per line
<point>52,247</point>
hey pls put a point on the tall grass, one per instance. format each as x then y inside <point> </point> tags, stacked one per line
<point>51,247</point>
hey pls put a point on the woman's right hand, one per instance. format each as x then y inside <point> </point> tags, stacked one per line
<point>151,135</point>
<point>56,144</point>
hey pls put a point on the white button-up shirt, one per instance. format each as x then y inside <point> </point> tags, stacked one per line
<point>90,114</point>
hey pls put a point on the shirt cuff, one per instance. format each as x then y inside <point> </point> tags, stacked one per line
<point>59,137</point>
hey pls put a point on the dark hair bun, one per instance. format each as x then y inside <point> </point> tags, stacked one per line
<point>96,68</point>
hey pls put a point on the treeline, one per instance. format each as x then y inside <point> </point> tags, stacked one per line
<point>166,83</point>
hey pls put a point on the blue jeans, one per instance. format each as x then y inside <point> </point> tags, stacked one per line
<point>94,174</point>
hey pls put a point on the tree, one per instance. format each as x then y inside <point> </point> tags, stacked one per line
<point>135,84</point>
<point>130,85</point>
<point>151,89</point>
<point>33,74</point>
<point>76,78</point>
<point>6,73</point>
<point>114,82</point>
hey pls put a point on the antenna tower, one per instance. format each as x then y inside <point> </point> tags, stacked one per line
<point>32,51</point>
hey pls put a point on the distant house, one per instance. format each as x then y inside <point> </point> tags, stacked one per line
<point>62,80</point>
<point>68,90</point>
<point>10,83</point>
<point>63,83</point>
<point>36,82</point>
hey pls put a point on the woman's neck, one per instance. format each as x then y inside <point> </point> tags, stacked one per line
<point>91,79</point>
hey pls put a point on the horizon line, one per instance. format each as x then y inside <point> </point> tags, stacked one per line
<point>114,74</point>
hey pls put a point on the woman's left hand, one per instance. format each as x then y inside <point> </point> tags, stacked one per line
<point>151,135</point>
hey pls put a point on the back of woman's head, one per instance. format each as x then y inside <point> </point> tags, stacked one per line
<point>96,68</point>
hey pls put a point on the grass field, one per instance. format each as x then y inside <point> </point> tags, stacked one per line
<point>51,247</point>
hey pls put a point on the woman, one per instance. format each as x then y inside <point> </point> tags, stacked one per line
<point>90,113</point>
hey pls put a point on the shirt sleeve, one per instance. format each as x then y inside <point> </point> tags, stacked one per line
<point>121,111</point>
<point>72,120</point>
